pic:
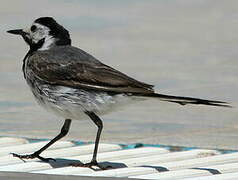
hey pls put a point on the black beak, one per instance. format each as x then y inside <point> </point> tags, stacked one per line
<point>21,33</point>
<point>17,32</point>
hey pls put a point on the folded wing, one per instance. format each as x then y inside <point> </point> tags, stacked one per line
<point>83,71</point>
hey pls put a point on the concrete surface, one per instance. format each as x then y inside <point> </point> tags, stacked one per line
<point>183,47</point>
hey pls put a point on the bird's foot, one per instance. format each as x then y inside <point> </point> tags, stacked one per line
<point>91,165</point>
<point>32,156</point>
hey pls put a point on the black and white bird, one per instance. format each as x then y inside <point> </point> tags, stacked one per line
<point>71,83</point>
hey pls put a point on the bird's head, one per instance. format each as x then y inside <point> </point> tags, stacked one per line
<point>43,34</point>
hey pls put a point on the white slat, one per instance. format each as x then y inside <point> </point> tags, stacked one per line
<point>227,176</point>
<point>11,141</point>
<point>57,153</point>
<point>140,163</point>
<point>123,154</point>
<point>65,170</point>
<point>149,160</point>
<point>121,172</point>
<point>174,165</point>
<point>175,156</point>
<point>31,147</point>
<point>34,166</point>
<point>205,161</point>
<point>180,174</point>
<point>188,173</point>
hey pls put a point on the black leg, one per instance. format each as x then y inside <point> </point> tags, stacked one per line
<point>99,124</point>
<point>63,132</point>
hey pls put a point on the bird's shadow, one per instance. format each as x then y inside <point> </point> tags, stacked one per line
<point>157,168</point>
<point>61,162</point>
<point>164,169</point>
<point>212,171</point>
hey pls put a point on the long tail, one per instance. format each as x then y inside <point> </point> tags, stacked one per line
<point>187,100</point>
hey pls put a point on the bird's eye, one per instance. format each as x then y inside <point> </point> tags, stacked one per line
<point>33,28</point>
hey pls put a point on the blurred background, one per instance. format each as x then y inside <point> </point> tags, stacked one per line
<point>183,47</point>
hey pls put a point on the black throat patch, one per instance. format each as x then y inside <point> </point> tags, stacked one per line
<point>33,47</point>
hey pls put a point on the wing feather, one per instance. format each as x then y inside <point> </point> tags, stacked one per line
<point>82,71</point>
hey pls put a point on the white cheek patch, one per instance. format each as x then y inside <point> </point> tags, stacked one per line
<point>49,41</point>
<point>42,32</point>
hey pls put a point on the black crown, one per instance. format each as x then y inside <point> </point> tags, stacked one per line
<point>56,30</point>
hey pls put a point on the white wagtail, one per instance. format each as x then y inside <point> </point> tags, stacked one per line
<point>71,83</point>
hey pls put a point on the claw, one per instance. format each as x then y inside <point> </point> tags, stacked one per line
<point>90,165</point>
<point>31,156</point>
<point>18,156</point>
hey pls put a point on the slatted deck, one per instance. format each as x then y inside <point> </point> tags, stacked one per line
<point>138,163</point>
